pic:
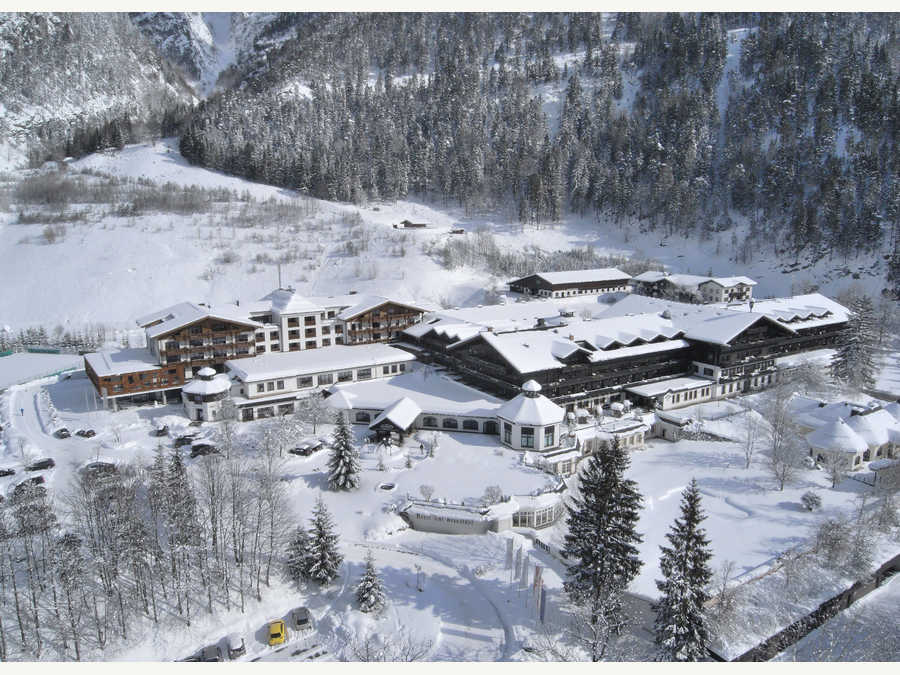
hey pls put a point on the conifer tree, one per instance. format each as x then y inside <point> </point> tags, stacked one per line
<point>369,591</point>
<point>602,543</point>
<point>681,633</point>
<point>343,466</point>
<point>854,362</point>
<point>298,553</point>
<point>324,557</point>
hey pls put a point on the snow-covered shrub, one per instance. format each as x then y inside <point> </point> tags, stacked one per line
<point>811,501</point>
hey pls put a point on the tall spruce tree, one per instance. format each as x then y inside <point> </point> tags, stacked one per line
<point>369,591</point>
<point>681,633</point>
<point>324,558</point>
<point>854,361</point>
<point>343,466</point>
<point>298,555</point>
<point>602,543</point>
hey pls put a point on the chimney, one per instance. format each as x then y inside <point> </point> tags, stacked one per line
<point>571,337</point>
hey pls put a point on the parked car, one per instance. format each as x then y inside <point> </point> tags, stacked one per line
<point>211,653</point>
<point>306,449</point>
<point>7,472</point>
<point>41,464</point>
<point>187,439</point>
<point>86,433</point>
<point>62,432</point>
<point>301,619</point>
<point>201,449</point>
<point>161,431</point>
<point>277,632</point>
<point>236,646</point>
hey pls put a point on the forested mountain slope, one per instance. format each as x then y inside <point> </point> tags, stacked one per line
<point>72,83</point>
<point>781,128</point>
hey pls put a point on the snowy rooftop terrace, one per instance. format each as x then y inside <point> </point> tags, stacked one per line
<point>430,392</point>
<point>311,361</point>
<point>121,361</point>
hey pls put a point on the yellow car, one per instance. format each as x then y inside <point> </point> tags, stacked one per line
<point>277,633</point>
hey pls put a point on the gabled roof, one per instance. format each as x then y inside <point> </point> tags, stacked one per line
<point>725,328</point>
<point>402,413</point>
<point>894,409</point>
<point>276,365</point>
<point>122,361</point>
<point>368,303</point>
<point>290,302</point>
<point>185,313</point>
<point>729,282</point>
<point>579,276</point>
<point>531,411</point>
<point>836,436</point>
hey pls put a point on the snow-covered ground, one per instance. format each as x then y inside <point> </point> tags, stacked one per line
<point>24,367</point>
<point>469,609</point>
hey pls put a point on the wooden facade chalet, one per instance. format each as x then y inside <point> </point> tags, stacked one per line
<point>381,323</point>
<point>207,342</point>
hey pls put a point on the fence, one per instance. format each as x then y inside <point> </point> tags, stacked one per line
<point>802,627</point>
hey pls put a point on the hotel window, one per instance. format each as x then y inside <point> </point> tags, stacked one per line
<point>303,382</point>
<point>345,376</point>
<point>470,425</point>
<point>527,437</point>
<point>310,344</point>
<point>363,417</point>
<point>326,342</point>
<point>507,432</point>
<point>450,423</point>
<point>281,384</point>
<point>364,374</point>
<point>270,386</point>
<point>326,378</point>
<point>429,422</point>
<point>548,436</point>
<point>394,368</point>
<point>260,388</point>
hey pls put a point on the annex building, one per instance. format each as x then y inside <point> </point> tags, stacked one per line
<point>573,283</point>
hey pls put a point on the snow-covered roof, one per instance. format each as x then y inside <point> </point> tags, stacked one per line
<point>883,420</point>
<point>885,463</point>
<point>184,313</point>
<point>730,282</point>
<point>579,276</point>
<point>216,385</point>
<point>894,409</point>
<point>675,384</point>
<point>206,371</point>
<point>724,328</point>
<point>532,351</point>
<point>309,361</point>
<point>433,394</point>
<point>122,361</point>
<point>807,311</point>
<point>401,413</point>
<point>531,385</point>
<point>368,303</point>
<point>286,301</point>
<point>870,430</point>
<point>836,436</point>
<point>531,411</point>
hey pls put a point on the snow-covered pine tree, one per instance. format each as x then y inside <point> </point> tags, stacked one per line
<point>343,466</point>
<point>298,552</point>
<point>369,591</point>
<point>602,543</point>
<point>681,633</point>
<point>854,361</point>
<point>324,557</point>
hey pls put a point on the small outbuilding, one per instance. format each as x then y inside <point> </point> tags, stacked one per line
<point>837,440</point>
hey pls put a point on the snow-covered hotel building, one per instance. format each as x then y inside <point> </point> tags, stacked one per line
<point>654,352</point>
<point>707,289</point>
<point>187,337</point>
<point>573,283</point>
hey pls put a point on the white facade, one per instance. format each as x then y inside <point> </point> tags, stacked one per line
<point>530,421</point>
<point>204,396</point>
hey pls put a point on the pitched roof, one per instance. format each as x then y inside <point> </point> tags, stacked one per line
<point>216,385</point>
<point>184,313</point>
<point>531,411</point>
<point>730,282</point>
<point>870,430</point>
<point>580,276</point>
<point>402,413</point>
<point>290,302</point>
<point>894,409</point>
<point>836,436</point>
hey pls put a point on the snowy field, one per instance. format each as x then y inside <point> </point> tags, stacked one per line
<point>24,367</point>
